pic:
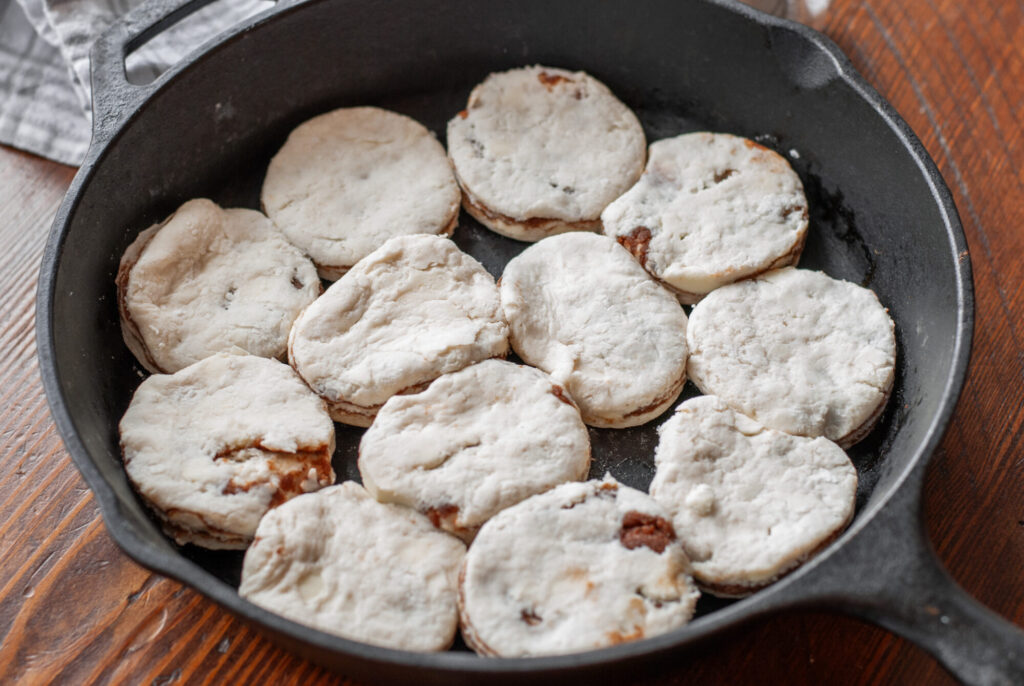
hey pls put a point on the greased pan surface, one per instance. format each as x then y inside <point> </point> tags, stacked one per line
<point>880,216</point>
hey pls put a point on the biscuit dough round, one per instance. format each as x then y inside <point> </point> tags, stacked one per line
<point>339,561</point>
<point>214,446</point>
<point>749,503</point>
<point>346,181</point>
<point>207,280</point>
<point>581,567</point>
<point>410,311</point>
<point>474,443</point>
<point>581,309</point>
<point>540,151</point>
<point>711,209</point>
<point>796,350</point>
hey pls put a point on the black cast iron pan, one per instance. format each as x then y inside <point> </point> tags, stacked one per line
<point>880,215</point>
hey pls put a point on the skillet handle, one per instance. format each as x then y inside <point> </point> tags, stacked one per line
<point>113,97</point>
<point>888,574</point>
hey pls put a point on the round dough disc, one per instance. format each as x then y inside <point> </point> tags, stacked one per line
<point>796,350</point>
<point>540,151</point>
<point>214,446</point>
<point>207,280</point>
<point>339,561</point>
<point>581,309</point>
<point>346,181</point>
<point>711,209</point>
<point>749,503</point>
<point>410,311</point>
<point>581,567</point>
<point>475,442</point>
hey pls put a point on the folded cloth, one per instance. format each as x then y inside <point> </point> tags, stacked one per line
<point>40,110</point>
<point>45,92</point>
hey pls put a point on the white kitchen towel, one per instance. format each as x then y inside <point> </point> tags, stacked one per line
<point>45,94</point>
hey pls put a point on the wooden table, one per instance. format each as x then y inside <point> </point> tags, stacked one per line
<point>74,609</point>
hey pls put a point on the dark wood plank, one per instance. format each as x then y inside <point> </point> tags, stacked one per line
<point>74,609</point>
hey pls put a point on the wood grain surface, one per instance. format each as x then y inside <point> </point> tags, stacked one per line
<point>74,609</point>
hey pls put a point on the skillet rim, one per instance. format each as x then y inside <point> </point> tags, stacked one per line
<point>773,598</point>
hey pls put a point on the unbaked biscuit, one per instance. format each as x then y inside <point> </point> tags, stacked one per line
<point>207,280</point>
<point>749,503</point>
<point>796,350</point>
<point>475,442</point>
<point>346,181</point>
<point>340,562</point>
<point>710,209</point>
<point>212,447</point>
<point>581,309</point>
<point>581,567</point>
<point>540,151</point>
<point>410,311</point>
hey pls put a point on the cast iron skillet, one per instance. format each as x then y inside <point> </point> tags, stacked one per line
<point>881,216</point>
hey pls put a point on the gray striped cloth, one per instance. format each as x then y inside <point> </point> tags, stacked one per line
<point>44,65</point>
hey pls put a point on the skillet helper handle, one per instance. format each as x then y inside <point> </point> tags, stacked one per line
<point>889,575</point>
<point>113,97</point>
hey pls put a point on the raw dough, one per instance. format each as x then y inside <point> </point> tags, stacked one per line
<point>475,442</point>
<point>540,151</point>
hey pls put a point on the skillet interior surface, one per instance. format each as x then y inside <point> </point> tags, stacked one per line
<point>876,217</point>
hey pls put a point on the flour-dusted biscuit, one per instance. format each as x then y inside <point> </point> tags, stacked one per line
<point>749,503</point>
<point>580,308</point>
<point>207,280</point>
<point>583,566</point>
<point>339,561</point>
<point>540,151</point>
<point>796,350</point>
<point>346,181</point>
<point>214,446</point>
<point>410,311</point>
<point>711,209</point>
<point>475,442</point>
